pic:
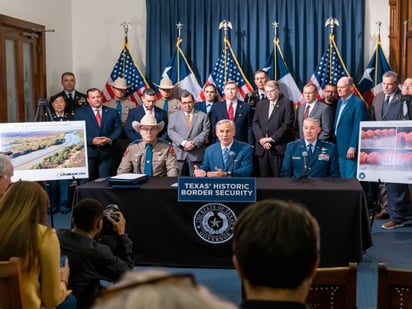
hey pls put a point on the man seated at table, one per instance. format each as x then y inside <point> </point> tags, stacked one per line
<point>149,156</point>
<point>276,248</point>
<point>310,156</point>
<point>228,157</point>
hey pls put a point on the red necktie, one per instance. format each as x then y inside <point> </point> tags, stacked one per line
<point>230,111</point>
<point>306,114</point>
<point>98,118</point>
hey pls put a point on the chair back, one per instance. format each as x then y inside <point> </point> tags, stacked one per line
<point>334,287</point>
<point>394,287</point>
<point>10,280</point>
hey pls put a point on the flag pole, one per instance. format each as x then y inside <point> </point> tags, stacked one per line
<point>275,25</point>
<point>225,25</point>
<point>179,40</point>
<point>378,40</point>
<point>125,26</point>
<point>331,22</point>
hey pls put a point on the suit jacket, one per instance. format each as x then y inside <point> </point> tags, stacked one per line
<point>320,111</point>
<point>201,106</point>
<point>243,162</point>
<point>323,163</point>
<point>198,132</point>
<point>79,100</point>
<point>395,107</point>
<point>111,127</point>
<point>347,127</point>
<point>136,114</point>
<point>278,126</point>
<point>242,119</point>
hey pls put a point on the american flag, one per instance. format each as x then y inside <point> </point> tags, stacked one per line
<point>278,70</point>
<point>371,81</point>
<point>126,67</point>
<point>227,68</point>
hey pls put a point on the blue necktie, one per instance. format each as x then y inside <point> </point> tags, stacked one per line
<point>148,160</point>
<point>226,158</point>
<point>310,150</point>
<point>165,106</point>
<point>119,108</point>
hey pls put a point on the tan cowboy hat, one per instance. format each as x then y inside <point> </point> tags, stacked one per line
<point>148,120</point>
<point>119,83</point>
<point>165,83</point>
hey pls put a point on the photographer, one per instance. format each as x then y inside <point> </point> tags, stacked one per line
<point>90,257</point>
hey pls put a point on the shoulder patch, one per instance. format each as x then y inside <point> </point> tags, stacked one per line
<point>126,152</point>
<point>172,151</point>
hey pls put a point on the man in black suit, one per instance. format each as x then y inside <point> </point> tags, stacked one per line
<point>148,107</point>
<point>233,109</point>
<point>74,99</point>
<point>261,77</point>
<point>272,128</point>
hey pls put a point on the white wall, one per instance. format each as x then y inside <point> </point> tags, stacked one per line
<point>88,38</point>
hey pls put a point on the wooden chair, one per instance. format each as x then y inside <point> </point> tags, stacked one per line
<point>394,287</point>
<point>334,287</point>
<point>10,278</point>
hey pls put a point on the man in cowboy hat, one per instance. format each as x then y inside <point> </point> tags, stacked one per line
<point>167,101</point>
<point>149,156</point>
<point>122,106</point>
<point>119,102</point>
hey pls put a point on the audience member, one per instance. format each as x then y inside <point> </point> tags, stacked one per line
<point>399,109</point>
<point>349,113</point>
<point>6,173</point>
<point>234,110</point>
<point>261,78</point>
<point>188,130</point>
<point>315,109</point>
<point>331,97</point>
<point>74,99</point>
<point>24,234</point>
<point>150,156</point>
<point>272,128</point>
<point>92,258</point>
<point>228,157</point>
<point>103,127</point>
<point>167,102</point>
<point>276,253</point>
<point>59,189</point>
<point>122,106</point>
<point>310,156</point>
<point>156,289</point>
<point>148,107</point>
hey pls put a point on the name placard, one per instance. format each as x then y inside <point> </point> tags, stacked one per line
<point>224,189</point>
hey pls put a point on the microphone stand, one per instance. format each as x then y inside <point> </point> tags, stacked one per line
<point>305,177</point>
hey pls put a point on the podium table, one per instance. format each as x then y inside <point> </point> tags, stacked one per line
<point>163,230</point>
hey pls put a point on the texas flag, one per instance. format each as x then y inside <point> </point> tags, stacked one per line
<point>179,71</point>
<point>371,81</point>
<point>278,70</point>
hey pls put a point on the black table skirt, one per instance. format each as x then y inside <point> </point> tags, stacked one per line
<point>163,232</point>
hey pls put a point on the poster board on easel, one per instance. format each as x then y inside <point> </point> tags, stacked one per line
<point>385,151</point>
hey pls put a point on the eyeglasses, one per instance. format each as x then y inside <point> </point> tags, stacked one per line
<point>184,279</point>
<point>407,86</point>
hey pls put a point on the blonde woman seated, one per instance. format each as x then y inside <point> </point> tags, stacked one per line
<point>155,289</point>
<point>24,234</point>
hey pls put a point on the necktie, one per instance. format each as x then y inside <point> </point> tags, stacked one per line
<point>119,108</point>
<point>230,111</point>
<point>98,117</point>
<point>385,106</point>
<point>310,149</point>
<point>148,160</point>
<point>306,114</point>
<point>208,107</point>
<point>262,96</point>
<point>166,106</point>
<point>271,107</point>
<point>226,158</point>
<point>188,120</point>
<point>70,97</point>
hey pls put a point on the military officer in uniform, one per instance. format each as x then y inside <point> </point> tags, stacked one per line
<point>149,156</point>
<point>310,156</point>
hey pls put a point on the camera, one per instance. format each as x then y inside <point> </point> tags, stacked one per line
<point>109,212</point>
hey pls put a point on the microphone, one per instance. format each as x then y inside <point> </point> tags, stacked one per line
<point>138,157</point>
<point>305,163</point>
<point>232,155</point>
